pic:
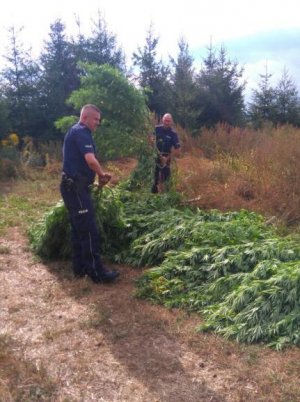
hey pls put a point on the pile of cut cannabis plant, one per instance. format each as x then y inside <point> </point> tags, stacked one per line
<point>231,267</point>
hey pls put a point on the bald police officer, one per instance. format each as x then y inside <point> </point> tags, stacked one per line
<point>80,167</point>
<point>166,143</point>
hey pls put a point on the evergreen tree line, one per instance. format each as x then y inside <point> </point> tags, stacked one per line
<point>33,92</point>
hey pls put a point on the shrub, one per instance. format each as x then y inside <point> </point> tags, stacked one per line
<point>8,169</point>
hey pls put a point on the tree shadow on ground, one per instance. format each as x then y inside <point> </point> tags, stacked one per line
<point>139,340</point>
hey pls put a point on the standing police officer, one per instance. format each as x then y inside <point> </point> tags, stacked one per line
<point>166,143</point>
<point>80,167</point>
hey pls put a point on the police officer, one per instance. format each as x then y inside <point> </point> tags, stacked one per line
<point>166,142</point>
<point>80,168</point>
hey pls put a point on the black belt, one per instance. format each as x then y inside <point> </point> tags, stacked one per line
<point>78,181</point>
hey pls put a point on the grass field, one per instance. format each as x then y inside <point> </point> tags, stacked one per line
<point>66,340</point>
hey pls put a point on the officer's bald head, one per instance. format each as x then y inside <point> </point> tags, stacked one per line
<point>90,115</point>
<point>167,120</point>
<point>89,108</point>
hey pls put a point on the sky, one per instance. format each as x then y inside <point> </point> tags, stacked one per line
<point>258,34</point>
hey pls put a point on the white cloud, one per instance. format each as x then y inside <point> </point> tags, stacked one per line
<point>198,21</point>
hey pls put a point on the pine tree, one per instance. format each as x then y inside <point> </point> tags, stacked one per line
<point>287,108</point>
<point>153,75</point>
<point>220,90</point>
<point>263,105</point>
<point>79,43</point>
<point>183,87</point>
<point>102,47</point>
<point>59,78</point>
<point>20,82</point>
<point>4,115</point>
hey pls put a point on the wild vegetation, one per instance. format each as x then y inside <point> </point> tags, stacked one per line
<point>236,270</point>
<point>240,272</point>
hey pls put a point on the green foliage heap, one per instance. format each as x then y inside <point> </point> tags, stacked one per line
<point>231,267</point>
<point>142,176</point>
<point>264,305</point>
<point>50,237</point>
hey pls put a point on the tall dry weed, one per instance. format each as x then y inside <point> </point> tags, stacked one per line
<point>232,168</point>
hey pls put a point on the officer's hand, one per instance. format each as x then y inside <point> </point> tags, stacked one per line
<point>151,139</point>
<point>104,179</point>
<point>107,176</point>
<point>164,159</point>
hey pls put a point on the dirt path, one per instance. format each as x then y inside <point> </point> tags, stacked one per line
<point>98,342</point>
<point>92,342</point>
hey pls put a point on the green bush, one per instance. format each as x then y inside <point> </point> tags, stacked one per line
<point>125,116</point>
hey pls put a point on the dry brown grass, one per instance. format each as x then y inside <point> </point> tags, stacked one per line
<point>259,171</point>
<point>120,169</point>
<point>22,380</point>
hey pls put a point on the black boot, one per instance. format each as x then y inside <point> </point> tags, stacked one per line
<point>109,276</point>
<point>104,276</point>
<point>79,272</point>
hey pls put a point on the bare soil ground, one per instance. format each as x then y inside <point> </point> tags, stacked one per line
<point>63,340</point>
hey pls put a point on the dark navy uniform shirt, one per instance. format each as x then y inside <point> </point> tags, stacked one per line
<point>78,142</point>
<point>166,138</point>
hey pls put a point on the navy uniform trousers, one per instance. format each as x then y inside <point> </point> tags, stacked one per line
<point>161,174</point>
<point>85,238</point>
